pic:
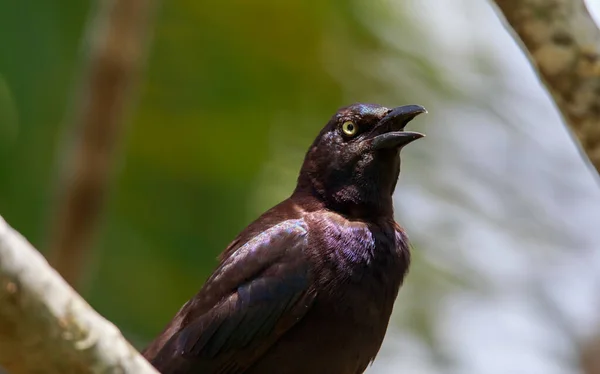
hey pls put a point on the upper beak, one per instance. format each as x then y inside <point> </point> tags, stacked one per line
<point>392,127</point>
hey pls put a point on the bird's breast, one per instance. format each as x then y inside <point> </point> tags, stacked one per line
<point>357,270</point>
<point>359,266</point>
<point>351,252</point>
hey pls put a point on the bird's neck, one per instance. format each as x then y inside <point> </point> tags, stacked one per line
<point>363,204</point>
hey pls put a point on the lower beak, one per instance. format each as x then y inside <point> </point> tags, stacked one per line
<point>393,124</point>
<point>396,139</point>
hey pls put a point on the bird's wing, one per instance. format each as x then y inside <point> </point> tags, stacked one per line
<point>250,301</point>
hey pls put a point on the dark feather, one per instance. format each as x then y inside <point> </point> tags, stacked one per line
<point>242,307</point>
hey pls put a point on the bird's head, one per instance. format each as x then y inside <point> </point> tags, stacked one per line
<point>353,164</point>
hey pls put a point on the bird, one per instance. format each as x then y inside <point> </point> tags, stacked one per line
<point>309,286</point>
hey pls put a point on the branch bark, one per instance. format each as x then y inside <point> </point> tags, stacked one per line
<point>563,42</point>
<point>46,327</point>
<point>589,356</point>
<point>116,39</point>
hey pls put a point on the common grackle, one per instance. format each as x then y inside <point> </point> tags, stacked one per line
<point>309,286</point>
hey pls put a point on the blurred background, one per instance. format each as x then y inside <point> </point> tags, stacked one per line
<point>502,210</point>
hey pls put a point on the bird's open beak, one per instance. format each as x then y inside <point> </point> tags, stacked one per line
<point>391,133</point>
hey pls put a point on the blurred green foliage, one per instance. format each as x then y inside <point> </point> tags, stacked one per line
<point>226,83</point>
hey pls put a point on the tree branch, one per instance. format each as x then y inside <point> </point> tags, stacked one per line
<point>589,356</point>
<point>46,327</point>
<point>116,48</point>
<point>564,44</point>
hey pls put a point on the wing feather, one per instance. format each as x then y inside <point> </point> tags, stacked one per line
<point>256,294</point>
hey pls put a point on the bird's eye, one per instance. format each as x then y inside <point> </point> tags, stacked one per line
<point>349,128</point>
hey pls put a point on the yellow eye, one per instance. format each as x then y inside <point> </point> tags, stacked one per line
<point>349,128</point>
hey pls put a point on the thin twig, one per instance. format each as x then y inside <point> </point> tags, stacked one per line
<point>117,37</point>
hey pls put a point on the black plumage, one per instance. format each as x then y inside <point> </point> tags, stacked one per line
<point>309,286</point>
